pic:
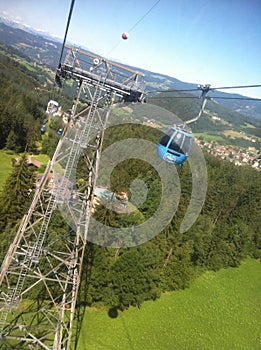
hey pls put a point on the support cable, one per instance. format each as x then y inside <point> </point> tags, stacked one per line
<point>145,15</point>
<point>135,25</point>
<point>66,32</point>
<point>215,88</point>
<point>209,90</point>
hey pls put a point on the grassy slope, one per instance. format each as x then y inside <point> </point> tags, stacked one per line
<point>6,166</point>
<point>43,158</point>
<point>219,311</point>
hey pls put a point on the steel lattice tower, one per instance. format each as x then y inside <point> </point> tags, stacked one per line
<point>40,274</point>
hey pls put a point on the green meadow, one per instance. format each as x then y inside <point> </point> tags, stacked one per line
<point>221,310</point>
<point>209,138</point>
<point>6,165</point>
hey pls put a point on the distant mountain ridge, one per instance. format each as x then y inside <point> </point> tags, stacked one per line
<point>28,29</point>
<point>45,49</point>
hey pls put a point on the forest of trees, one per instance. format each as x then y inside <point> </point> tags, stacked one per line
<point>226,231</point>
<point>23,102</point>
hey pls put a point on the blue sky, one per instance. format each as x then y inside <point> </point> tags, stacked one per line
<point>198,41</point>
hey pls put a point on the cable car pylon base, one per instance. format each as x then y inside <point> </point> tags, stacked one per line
<point>40,275</point>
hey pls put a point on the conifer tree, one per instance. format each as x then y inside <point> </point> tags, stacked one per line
<point>16,194</point>
<point>12,141</point>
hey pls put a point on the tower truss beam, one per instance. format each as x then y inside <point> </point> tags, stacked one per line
<point>40,275</point>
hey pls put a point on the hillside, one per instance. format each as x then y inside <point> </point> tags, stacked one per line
<point>218,123</point>
<point>226,231</point>
<point>216,118</point>
<point>38,48</point>
<point>46,51</point>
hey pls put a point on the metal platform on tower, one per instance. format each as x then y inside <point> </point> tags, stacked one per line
<point>79,64</point>
<point>40,275</point>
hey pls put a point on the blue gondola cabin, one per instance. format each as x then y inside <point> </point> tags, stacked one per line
<point>175,145</point>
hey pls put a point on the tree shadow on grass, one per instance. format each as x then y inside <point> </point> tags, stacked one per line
<point>83,294</point>
<point>113,312</point>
